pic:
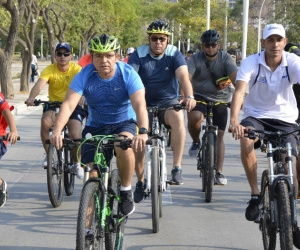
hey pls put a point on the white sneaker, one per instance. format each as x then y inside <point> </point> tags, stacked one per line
<point>45,163</point>
<point>220,179</point>
<point>79,171</point>
<point>3,193</point>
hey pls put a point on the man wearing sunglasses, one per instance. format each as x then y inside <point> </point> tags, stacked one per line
<point>205,69</point>
<point>59,76</point>
<point>160,66</point>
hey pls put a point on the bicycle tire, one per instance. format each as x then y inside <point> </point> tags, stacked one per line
<point>69,175</point>
<point>154,189</point>
<point>114,240</point>
<point>55,176</point>
<point>268,232</point>
<point>161,179</point>
<point>89,202</point>
<point>284,216</point>
<point>209,166</point>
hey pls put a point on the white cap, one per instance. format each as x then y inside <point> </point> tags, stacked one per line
<point>130,50</point>
<point>273,29</point>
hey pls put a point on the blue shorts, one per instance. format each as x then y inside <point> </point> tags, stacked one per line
<point>78,114</point>
<point>3,149</point>
<point>88,151</point>
<point>274,125</point>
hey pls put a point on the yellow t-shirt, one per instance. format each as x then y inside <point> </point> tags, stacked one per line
<point>58,81</point>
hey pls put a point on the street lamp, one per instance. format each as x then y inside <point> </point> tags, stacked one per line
<point>259,27</point>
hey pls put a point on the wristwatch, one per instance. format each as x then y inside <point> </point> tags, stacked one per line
<point>143,131</point>
<point>190,96</point>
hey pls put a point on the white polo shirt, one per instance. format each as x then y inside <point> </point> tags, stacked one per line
<point>271,96</point>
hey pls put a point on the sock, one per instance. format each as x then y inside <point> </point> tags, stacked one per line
<point>177,167</point>
<point>125,188</point>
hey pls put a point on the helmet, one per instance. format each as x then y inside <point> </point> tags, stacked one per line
<point>159,27</point>
<point>104,43</point>
<point>210,36</point>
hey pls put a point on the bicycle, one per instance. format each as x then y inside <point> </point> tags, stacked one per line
<point>100,197</point>
<point>278,208</point>
<point>155,163</point>
<point>60,171</point>
<point>208,152</point>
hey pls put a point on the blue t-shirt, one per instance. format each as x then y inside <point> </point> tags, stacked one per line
<point>158,74</point>
<point>108,99</point>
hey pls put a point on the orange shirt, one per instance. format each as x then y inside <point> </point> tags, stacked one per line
<point>85,60</point>
<point>3,124</point>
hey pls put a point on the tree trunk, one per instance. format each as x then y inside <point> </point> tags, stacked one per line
<point>26,72</point>
<point>7,87</point>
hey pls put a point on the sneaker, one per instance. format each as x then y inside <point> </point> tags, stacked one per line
<point>45,163</point>
<point>3,193</point>
<point>193,151</point>
<point>176,175</point>
<point>79,171</point>
<point>127,205</point>
<point>252,211</point>
<point>139,192</point>
<point>296,238</point>
<point>220,179</point>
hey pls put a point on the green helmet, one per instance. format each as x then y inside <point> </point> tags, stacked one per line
<point>103,43</point>
<point>159,27</point>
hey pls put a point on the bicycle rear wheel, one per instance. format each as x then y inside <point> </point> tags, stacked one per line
<point>209,166</point>
<point>88,221</point>
<point>161,178</point>
<point>268,232</point>
<point>154,189</point>
<point>55,176</point>
<point>284,216</point>
<point>69,174</point>
<point>114,236</point>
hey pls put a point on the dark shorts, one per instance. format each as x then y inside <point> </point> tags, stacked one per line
<point>220,113</point>
<point>3,149</point>
<point>161,114</point>
<point>274,125</point>
<point>88,151</point>
<point>78,114</point>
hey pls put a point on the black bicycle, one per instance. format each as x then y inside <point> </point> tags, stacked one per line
<point>100,224</point>
<point>278,208</point>
<point>60,170</point>
<point>208,152</point>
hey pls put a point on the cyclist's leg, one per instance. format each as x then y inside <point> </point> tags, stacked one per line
<point>195,118</point>
<point>47,121</point>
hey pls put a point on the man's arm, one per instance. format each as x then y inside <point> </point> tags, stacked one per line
<point>66,109</point>
<point>13,134</point>
<point>232,77</point>
<point>36,89</point>
<point>185,86</point>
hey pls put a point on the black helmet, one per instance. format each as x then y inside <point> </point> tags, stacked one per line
<point>210,36</point>
<point>160,27</point>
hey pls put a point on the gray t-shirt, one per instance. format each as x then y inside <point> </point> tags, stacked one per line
<point>203,84</point>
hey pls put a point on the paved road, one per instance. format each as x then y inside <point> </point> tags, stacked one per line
<point>28,221</point>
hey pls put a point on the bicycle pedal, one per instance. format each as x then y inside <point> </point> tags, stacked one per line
<point>172,183</point>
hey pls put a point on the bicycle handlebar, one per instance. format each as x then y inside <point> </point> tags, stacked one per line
<point>4,138</point>
<point>253,133</point>
<point>175,107</point>
<point>212,103</point>
<point>37,102</point>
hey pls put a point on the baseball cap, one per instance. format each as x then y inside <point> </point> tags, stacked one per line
<point>273,29</point>
<point>63,46</point>
<point>130,50</point>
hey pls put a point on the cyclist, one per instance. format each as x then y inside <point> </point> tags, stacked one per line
<point>205,68</point>
<point>270,104</point>
<point>116,100</point>
<point>159,65</point>
<point>129,52</point>
<point>6,119</point>
<point>59,76</point>
<point>189,53</point>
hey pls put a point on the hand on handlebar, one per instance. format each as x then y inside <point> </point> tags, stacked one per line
<point>139,142</point>
<point>56,140</point>
<point>237,131</point>
<point>190,103</point>
<point>12,137</point>
<point>30,101</point>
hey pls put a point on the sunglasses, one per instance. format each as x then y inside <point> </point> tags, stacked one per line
<point>155,38</point>
<point>213,45</point>
<point>66,54</point>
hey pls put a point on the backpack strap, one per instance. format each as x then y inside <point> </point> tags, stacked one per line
<point>287,72</point>
<point>256,75</point>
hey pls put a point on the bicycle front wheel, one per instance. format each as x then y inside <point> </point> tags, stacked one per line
<point>284,216</point>
<point>268,232</point>
<point>154,189</point>
<point>209,166</point>
<point>55,176</point>
<point>88,221</point>
<point>69,172</point>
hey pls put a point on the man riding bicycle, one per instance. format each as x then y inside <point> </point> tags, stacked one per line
<point>160,66</point>
<point>115,96</point>
<point>59,76</point>
<point>205,68</point>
